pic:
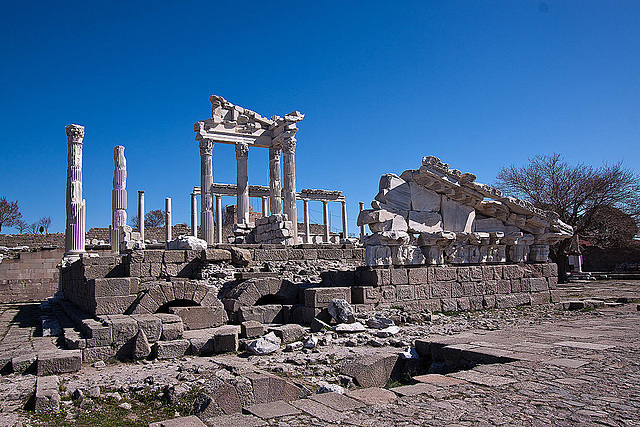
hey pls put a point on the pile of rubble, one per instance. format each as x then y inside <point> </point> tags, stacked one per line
<point>274,229</point>
<point>436,215</point>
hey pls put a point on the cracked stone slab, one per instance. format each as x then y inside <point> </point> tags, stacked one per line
<point>338,401</point>
<point>567,363</point>
<point>275,409</point>
<point>483,379</point>
<point>415,389</point>
<point>583,345</point>
<point>235,420</point>
<point>318,410</point>
<point>190,421</point>
<point>372,395</point>
<point>439,380</point>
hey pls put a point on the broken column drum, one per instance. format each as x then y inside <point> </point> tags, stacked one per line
<point>75,222</point>
<point>118,198</point>
<point>206,202</point>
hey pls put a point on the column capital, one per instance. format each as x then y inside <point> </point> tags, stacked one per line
<point>206,146</point>
<point>140,191</point>
<point>289,145</point>
<point>242,149</point>
<point>75,134</point>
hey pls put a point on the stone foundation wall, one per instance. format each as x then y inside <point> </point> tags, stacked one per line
<point>456,288</point>
<point>29,276</point>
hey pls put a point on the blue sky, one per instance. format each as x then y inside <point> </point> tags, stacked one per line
<point>480,84</point>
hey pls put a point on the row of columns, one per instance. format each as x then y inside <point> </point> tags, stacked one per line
<point>279,202</point>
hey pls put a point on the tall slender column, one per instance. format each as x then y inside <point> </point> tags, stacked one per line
<point>118,198</point>
<point>344,219</point>
<point>141,213</point>
<point>264,207</point>
<point>361,206</point>
<point>167,219</point>
<point>325,220</point>
<point>289,199</point>
<point>242,188</point>
<point>275,186</point>
<point>74,232</point>
<point>218,218</point>
<point>206,200</point>
<point>307,234</point>
<point>194,215</point>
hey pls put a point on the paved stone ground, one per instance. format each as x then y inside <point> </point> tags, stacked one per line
<point>573,368</point>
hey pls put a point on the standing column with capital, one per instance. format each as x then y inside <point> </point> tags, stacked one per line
<point>118,198</point>
<point>264,207</point>
<point>275,186</point>
<point>289,199</point>
<point>74,242</point>
<point>307,237</point>
<point>218,218</point>
<point>344,219</point>
<point>325,220</point>
<point>242,187</point>
<point>361,207</point>
<point>206,200</point>
<point>194,215</point>
<point>141,214</point>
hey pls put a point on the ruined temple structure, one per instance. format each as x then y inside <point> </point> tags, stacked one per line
<point>436,215</point>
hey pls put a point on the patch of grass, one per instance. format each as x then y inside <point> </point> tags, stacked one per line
<point>451,313</point>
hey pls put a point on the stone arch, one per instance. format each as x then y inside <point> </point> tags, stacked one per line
<point>160,293</point>
<point>252,291</point>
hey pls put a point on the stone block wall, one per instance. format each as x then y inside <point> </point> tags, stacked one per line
<point>456,288</point>
<point>29,276</point>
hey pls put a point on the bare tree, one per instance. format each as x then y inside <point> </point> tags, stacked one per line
<point>33,228</point>
<point>135,223</point>
<point>45,222</point>
<point>580,194</point>
<point>9,212</point>
<point>154,218</point>
<point>610,228</point>
<point>20,225</point>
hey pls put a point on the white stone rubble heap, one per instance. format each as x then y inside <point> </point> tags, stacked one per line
<point>436,215</point>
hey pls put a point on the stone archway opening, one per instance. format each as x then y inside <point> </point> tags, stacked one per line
<point>271,299</point>
<point>167,307</point>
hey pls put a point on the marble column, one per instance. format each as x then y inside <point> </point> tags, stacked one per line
<point>289,173</point>
<point>344,220</point>
<point>275,186</point>
<point>242,187</point>
<point>194,215</point>
<point>141,213</point>
<point>361,206</point>
<point>218,218</point>
<point>118,198</point>
<point>167,219</point>
<point>74,232</point>
<point>264,207</point>
<point>325,220</point>
<point>206,200</point>
<point>307,233</point>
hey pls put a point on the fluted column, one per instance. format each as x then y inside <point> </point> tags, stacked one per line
<point>325,220</point>
<point>74,232</point>
<point>344,220</point>
<point>206,199</point>
<point>118,198</point>
<point>275,186</point>
<point>218,218</point>
<point>289,197</point>
<point>141,213</point>
<point>307,234</point>
<point>167,219</point>
<point>194,215</point>
<point>242,187</point>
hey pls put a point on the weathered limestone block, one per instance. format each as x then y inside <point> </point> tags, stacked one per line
<point>123,328</point>
<point>371,216</point>
<point>539,253</point>
<point>47,398</point>
<point>489,225</point>
<point>251,329</point>
<point>58,362</point>
<point>288,333</point>
<point>394,192</point>
<point>150,324</point>
<point>199,317</point>
<point>424,222</point>
<point>186,243</point>
<point>457,217</point>
<point>423,199</point>
<point>389,238</point>
<point>370,370</point>
<point>171,349</point>
<point>395,223</point>
<point>378,255</point>
<point>407,255</point>
<point>221,399</point>
<point>321,297</point>
<point>225,339</point>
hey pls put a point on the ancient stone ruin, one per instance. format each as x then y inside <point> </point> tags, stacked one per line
<point>436,215</point>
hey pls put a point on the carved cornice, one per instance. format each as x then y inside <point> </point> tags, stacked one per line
<point>75,134</point>
<point>289,145</point>
<point>242,150</point>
